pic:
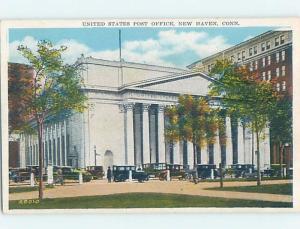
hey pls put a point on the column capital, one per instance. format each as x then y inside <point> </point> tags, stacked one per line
<point>129,106</point>
<point>145,107</point>
<point>161,108</point>
<point>126,107</point>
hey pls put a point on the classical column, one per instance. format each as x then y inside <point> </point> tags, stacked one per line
<point>60,143</point>
<point>176,152</point>
<point>44,146</point>
<point>190,155</point>
<point>65,145</point>
<point>229,149</point>
<point>241,147</point>
<point>217,150</point>
<point>129,135</point>
<point>146,140</point>
<point>161,134</point>
<point>248,145</point>
<point>204,153</point>
<point>267,155</point>
<point>54,143</point>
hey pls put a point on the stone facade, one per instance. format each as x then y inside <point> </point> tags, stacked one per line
<point>125,121</point>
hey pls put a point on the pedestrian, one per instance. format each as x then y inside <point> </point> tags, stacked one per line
<point>60,178</point>
<point>109,174</point>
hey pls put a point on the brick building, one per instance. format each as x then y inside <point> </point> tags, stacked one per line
<point>268,57</point>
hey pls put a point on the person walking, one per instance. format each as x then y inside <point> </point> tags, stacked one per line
<point>109,174</point>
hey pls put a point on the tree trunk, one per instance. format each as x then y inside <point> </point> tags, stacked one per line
<point>258,159</point>
<point>281,148</point>
<point>41,158</point>
<point>195,154</point>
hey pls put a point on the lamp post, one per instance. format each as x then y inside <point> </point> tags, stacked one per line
<point>287,157</point>
<point>96,154</point>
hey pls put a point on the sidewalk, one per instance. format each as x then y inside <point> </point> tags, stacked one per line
<point>101,187</point>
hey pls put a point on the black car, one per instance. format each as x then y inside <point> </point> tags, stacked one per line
<point>204,171</point>
<point>242,170</point>
<point>154,170</point>
<point>121,173</point>
<point>177,171</point>
<point>96,171</point>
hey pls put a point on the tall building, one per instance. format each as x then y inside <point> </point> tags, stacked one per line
<point>268,57</point>
<point>125,123</point>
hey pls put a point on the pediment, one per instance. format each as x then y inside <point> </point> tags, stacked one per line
<point>195,83</point>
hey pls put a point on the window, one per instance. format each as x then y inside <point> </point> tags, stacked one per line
<point>269,75</point>
<point>250,52</point>
<point>278,86</point>
<point>263,76</point>
<point>268,44</point>
<point>276,41</point>
<point>263,47</point>
<point>232,59</point>
<point>239,56</point>
<point>255,65</point>
<point>277,72</point>
<point>283,71</point>
<point>255,50</point>
<point>277,57</point>
<point>283,86</point>
<point>264,62</point>
<point>269,60</point>
<point>243,55</point>
<point>283,55</point>
<point>209,68</point>
<point>282,39</point>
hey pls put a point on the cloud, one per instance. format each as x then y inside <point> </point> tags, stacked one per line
<point>161,50</point>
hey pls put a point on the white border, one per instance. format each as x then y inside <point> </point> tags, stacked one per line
<point>294,23</point>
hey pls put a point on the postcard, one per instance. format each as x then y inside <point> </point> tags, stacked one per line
<point>150,115</point>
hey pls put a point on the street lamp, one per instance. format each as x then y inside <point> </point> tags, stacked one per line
<point>96,154</point>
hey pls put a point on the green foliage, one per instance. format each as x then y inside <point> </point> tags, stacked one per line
<point>281,121</point>
<point>56,86</point>
<point>192,120</point>
<point>56,90</point>
<point>250,100</point>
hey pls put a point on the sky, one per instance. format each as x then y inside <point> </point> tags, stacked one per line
<point>174,47</point>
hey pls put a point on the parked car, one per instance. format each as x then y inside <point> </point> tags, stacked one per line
<point>155,170</point>
<point>121,173</point>
<point>19,174</point>
<point>242,170</point>
<point>68,173</point>
<point>204,170</point>
<point>96,171</point>
<point>177,171</point>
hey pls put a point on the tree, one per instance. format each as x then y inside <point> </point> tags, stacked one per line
<point>56,90</point>
<point>20,83</point>
<point>250,100</point>
<point>281,126</point>
<point>192,120</point>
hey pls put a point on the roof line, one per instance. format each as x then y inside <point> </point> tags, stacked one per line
<point>235,46</point>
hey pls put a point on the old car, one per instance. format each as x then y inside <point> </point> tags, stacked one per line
<point>96,171</point>
<point>69,173</point>
<point>205,171</point>
<point>121,173</point>
<point>155,170</point>
<point>177,171</point>
<point>242,170</point>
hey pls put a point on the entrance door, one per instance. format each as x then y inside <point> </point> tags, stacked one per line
<point>108,160</point>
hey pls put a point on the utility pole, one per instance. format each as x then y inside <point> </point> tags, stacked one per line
<point>120,56</point>
<point>96,154</point>
<point>221,174</point>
